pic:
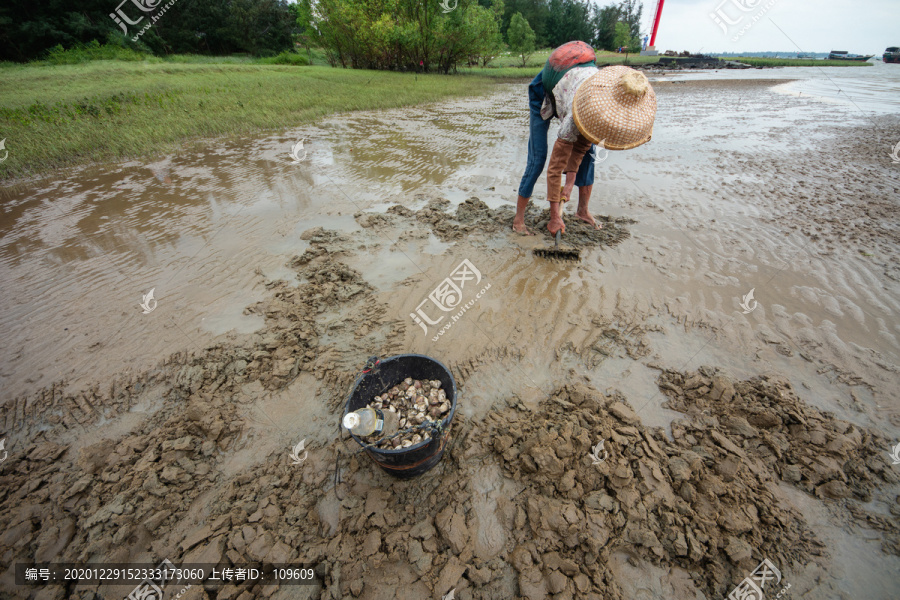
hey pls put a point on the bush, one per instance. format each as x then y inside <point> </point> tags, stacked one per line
<point>286,58</point>
<point>92,51</point>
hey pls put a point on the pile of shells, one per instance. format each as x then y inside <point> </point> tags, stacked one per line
<point>415,401</point>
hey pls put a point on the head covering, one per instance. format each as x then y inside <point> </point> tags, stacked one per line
<point>565,58</point>
<point>616,107</point>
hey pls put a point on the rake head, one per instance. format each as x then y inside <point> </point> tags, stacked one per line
<point>557,253</point>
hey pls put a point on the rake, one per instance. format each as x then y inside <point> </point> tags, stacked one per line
<point>557,253</point>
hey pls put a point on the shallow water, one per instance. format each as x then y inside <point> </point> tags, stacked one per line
<point>875,88</point>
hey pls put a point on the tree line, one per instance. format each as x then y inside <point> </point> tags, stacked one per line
<point>28,30</point>
<point>441,34</point>
<point>425,35</point>
<point>556,22</point>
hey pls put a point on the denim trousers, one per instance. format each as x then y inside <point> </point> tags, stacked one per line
<point>537,145</point>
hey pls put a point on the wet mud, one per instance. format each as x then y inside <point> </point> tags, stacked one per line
<point>728,437</point>
<point>474,217</point>
<point>524,503</point>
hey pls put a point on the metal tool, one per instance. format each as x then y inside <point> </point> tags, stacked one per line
<point>556,252</point>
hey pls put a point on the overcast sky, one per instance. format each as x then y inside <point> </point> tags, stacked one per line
<point>858,26</point>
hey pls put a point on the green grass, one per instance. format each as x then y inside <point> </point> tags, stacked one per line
<point>501,72</point>
<point>509,60</point>
<point>610,58</point>
<point>507,66</point>
<point>797,62</point>
<point>65,115</point>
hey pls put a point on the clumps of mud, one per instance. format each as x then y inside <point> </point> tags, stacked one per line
<point>474,217</point>
<point>517,508</point>
<point>296,319</point>
<point>667,503</point>
<point>762,423</point>
<point>110,497</point>
<point>295,322</point>
<point>524,504</point>
<point>578,233</point>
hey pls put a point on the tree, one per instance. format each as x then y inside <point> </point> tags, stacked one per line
<point>407,34</point>
<point>623,35</point>
<point>630,12</point>
<point>306,30</point>
<point>521,37</point>
<point>604,25</point>
<point>569,20</point>
<point>489,41</point>
<point>536,12</point>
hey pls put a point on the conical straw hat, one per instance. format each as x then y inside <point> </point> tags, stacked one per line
<point>615,106</point>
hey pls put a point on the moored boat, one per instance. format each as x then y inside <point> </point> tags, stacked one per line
<point>891,55</point>
<point>844,55</point>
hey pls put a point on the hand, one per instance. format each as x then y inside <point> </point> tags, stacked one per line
<point>556,223</point>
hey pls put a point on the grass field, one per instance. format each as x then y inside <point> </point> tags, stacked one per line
<point>75,107</point>
<point>508,66</point>
<point>797,62</point>
<point>509,60</point>
<point>65,115</point>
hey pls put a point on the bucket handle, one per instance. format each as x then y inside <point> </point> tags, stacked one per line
<point>371,364</point>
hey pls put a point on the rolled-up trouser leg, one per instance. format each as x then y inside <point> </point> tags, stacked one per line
<point>579,155</point>
<point>559,158</point>
<point>585,175</point>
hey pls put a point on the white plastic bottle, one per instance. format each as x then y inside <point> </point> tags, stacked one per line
<point>371,421</point>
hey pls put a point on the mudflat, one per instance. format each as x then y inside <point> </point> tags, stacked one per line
<point>735,427</point>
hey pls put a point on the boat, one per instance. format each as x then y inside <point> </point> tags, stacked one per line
<point>806,55</point>
<point>844,55</point>
<point>891,55</point>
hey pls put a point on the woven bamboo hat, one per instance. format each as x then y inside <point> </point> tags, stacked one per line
<point>615,106</point>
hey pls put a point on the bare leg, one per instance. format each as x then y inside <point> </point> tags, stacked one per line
<point>584,197</point>
<point>519,220</point>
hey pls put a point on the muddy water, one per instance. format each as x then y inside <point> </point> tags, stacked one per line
<point>742,188</point>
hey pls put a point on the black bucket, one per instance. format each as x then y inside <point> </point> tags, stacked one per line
<point>417,459</point>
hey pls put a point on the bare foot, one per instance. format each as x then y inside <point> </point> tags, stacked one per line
<point>556,224</point>
<point>519,227</point>
<point>587,218</point>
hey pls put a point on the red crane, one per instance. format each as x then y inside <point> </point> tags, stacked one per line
<point>659,8</point>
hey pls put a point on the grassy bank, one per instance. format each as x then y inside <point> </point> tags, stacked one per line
<point>65,115</point>
<point>797,62</point>
<point>507,66</point>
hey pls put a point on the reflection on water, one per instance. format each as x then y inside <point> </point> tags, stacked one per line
<point>875,88</point>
